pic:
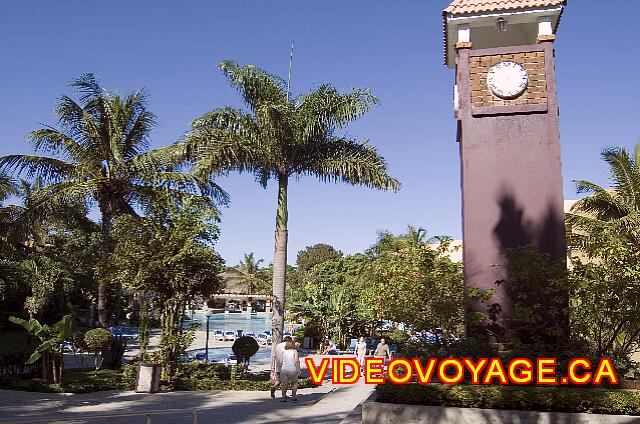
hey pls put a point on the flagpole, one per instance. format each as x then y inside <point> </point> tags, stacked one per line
<point>290,67</point>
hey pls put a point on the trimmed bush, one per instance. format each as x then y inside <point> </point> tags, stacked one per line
<point>244,348</point>
<point>98,340</point>
<point>594,401</point>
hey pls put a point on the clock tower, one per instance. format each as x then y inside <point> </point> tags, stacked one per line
<point>507,114</point>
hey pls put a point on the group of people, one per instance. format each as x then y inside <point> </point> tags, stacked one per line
<point>381,351</point>
<point>285,369</point>
<point>328,347</point>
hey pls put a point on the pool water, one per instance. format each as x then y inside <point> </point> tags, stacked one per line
<point>221,354</point>
<point>233,322</point>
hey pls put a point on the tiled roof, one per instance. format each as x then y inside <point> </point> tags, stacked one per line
<point>463,7</point>
<point>474,7</point>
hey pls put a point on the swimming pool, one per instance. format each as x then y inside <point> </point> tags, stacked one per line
<point>234,322</point>
<point>221,354</point>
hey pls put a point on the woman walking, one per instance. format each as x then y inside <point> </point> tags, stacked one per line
<point>361,350</point>
<point>290,370</point>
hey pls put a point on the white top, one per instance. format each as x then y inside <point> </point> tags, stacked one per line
<point>290,360</point>
<point>361,348</point>
<point>279,349</point>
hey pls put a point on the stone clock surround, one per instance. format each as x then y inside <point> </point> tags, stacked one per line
<point>474,65</point>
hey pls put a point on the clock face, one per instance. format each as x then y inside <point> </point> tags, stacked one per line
<point>507,80</point>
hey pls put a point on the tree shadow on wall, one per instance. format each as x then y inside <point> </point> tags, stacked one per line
<point>515,230</point>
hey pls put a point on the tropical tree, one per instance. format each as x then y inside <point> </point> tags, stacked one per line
<point>336,299</point>
<point>614,210</point>
<point>280,137</point>
<point>415,283</point>
<point>249,274</point>
<point>99,158</point>
<point>316,254</point>
<point>605,226</point>
<point>168,257</point>
<point>8,187</point>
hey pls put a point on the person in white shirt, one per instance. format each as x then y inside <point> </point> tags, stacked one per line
<point>361,350</point>
<point>277,365</point>
<point>290,370</point>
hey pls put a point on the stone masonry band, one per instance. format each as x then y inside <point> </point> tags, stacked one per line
<point>533,62</point>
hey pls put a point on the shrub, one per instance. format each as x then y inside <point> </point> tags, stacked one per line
<point>98,341</point>
<point>595,401</point>
<point>244,348</point>
<point>201,371</point>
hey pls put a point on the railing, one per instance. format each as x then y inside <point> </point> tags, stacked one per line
<point>147,415</point>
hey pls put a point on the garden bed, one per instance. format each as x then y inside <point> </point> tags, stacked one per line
<point>76,381</point>
<point>593,401</point>
<point>196,376</point>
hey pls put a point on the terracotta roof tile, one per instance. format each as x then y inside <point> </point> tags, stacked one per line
<point>462,7</point>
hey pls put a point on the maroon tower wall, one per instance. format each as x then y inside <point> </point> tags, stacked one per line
<point>511,168</point>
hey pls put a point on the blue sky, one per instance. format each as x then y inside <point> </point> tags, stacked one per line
<point>393,48</point>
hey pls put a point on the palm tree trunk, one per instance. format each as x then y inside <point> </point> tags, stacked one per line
<point>280,262</point>
<point>105,250</point>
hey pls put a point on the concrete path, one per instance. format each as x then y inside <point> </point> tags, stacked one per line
<point>326,404</point>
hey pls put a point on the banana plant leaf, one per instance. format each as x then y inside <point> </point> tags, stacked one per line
<point>50,336</point>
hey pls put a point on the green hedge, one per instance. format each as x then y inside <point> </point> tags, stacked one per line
<point>73,382</point>
<point>196,376</point>
<point>595,401</point>
<point>217,384</point>
<point>202,376</point>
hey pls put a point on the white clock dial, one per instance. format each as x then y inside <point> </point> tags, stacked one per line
<point>507,79</point>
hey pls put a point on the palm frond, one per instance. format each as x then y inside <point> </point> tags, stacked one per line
<point>601,203</point>
<point>325,109</point>
<point>63,195</point>
<point>51,141</point>
<point>142,194</point>
<point>255,85</point>
<point>45,168</point>
<point>8,187</point>
<point>348,161</point>
<point>218,152</point>
<point>625,174</point>
<point>187,183</point>
<point>80,124</point>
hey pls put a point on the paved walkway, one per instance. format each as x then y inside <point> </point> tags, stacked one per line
<point>326,404</point>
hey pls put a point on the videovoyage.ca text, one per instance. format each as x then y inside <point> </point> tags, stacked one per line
<point>541,371</point>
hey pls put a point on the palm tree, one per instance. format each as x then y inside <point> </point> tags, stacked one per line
<point>615,210</point>
<point>248,273</point>
<point>8,188</point>
<point>278,138</point>
<point>99,159</point>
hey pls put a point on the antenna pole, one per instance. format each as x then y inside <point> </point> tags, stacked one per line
<point>290,66</point>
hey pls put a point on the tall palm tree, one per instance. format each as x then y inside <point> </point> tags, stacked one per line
<point>280,137</point>
<point>248,273</point>
<point>615,209</point>
<point>99,157</point>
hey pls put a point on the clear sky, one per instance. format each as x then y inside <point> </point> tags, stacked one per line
<point>393,48</point>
